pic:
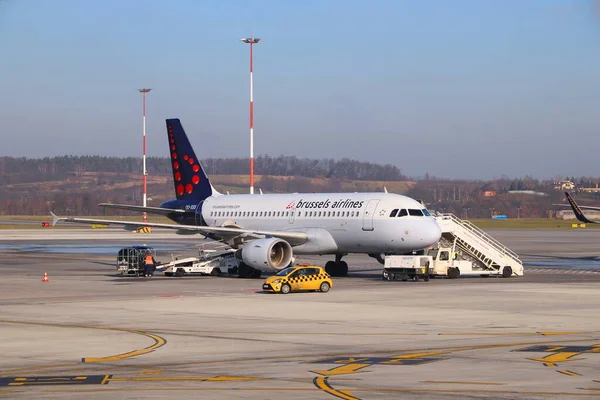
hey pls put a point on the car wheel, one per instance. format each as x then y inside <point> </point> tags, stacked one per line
<point>324,287</point>
<point>285,288</point>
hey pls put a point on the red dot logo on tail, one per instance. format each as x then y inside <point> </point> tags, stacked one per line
<point>195,179</point>
<point>180,189</point>
<point>196,168</point>
<point>189,188</point>
<point>177,176</point>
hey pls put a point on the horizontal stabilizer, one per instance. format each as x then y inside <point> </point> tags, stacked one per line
<point>149,210</point>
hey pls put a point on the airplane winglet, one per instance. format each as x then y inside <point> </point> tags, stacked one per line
<point>55,218</point>
<point>385,189</point>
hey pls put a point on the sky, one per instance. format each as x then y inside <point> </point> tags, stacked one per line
<point>462,89</point>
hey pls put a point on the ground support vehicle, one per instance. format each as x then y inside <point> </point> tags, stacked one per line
<point>208,262</point>
<point>130,260</point>
<point>299,278</point>
<point>403,268</point>
<point>465,249</point>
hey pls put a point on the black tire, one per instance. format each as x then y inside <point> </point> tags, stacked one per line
<point>343,268</point>
<point>506,272</point>
<point>215,272</point>
<point>324,288</point>
<point>426,278</point>
<point>285,288</point>
<point>331,268</point>
<point>453,273</point>
<point>168,274</point>
<point>179,272</point>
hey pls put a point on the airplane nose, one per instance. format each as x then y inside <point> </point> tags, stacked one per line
<point>432,234</point>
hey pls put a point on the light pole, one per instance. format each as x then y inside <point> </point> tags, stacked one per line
<point>466,209</point>
<point>518,212</point>
<point>251,41</point>
<point>145,173</point>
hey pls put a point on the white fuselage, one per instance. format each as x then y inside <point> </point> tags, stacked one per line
<point>334,222</point>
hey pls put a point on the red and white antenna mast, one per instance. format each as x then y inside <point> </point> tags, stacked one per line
<point>251,41</point>
<point>145,172</point>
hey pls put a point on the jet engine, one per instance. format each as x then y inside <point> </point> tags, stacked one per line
<point>266,254</point>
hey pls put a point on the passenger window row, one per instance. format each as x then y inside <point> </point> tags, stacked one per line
<point>414,212</point>
<point>280,214</point>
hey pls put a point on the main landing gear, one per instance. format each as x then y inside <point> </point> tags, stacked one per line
<point>246,271</point>
<point>337,267</point>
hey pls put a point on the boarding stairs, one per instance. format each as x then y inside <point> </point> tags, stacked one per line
<point>477,246</point>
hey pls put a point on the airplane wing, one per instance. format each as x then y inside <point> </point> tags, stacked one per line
<point>216,232</point>
<point>577,210</point>
<point>150,210</point>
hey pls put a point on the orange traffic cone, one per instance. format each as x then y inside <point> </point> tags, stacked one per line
<point>45,277</point>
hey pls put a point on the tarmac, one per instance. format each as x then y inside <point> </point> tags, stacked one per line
<point>88,333</point>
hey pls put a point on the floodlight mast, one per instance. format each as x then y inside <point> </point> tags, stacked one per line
<point>145,172</point>
<point>251,41</point>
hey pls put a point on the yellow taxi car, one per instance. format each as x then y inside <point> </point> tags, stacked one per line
<point>297,278</point>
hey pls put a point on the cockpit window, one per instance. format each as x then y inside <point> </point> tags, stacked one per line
<point>394,212</point>
<point>418,213</point>
<point>426,213</point>
<point>402,213</point>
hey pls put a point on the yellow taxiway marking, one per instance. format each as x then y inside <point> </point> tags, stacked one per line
<point>183,389</point>
<point>421,355</point>
<point>158,342</point>
<point>465,383</point>
<point>552,359</point>
<point>342,369</point>
<point>567,372</point>
<point>156,371</point>
<point>321,383</point>
<point>16,371</point>
<point>344,354</point>
<point>187,378</point>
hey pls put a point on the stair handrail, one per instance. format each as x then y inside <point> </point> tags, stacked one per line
<point>483,235</point>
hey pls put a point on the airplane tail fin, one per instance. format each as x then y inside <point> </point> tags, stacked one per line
<point>191,183</point>
<point>577,211</point>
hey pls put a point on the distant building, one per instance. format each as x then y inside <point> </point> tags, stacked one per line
<point>564,185</point>
<point>568,214</point>
<point>488,191</point>
<point>591,190</point>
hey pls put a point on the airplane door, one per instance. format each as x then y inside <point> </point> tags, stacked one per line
<point>369,214</point>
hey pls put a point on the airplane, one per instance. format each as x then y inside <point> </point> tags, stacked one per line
<point>268,230</point>
<point>577,210</point>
